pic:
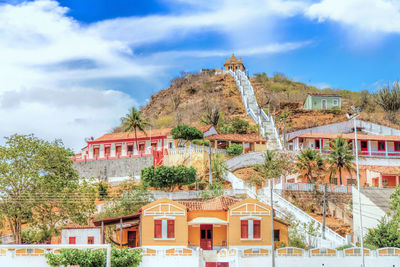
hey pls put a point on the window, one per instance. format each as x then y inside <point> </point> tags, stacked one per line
<point>107,151</point>
<point>364,145</point>
<point>335,102</point>
<point>351,181</point>
<point>164,229</point>
<point>397,146</point>
<point>72,240</point>
<point>90,240</point>
<point>318,143</point>
<point>130,148</point>
<point>171,145</point>
<point>118,150</point>
<point>381,145</point>
<point>276,235</point>
<point>334,180</point>
<point>250,229</point>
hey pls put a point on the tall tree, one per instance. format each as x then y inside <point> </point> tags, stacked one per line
<point>39,186</point>
<point>134,121</point>
<point>340,157</point>
<point>310,165</point>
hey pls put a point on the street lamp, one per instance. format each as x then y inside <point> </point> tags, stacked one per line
<point>354,118</point>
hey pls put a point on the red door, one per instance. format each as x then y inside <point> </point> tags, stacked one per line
<point>72,240</point>
<point>132,239</point>
<point>206,236</point>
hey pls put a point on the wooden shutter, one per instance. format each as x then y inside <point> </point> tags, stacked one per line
<point>244,229</point>
<point>157,229</point>
<point>72,240</point>
<point>170,228</point>
<point>257,229</point>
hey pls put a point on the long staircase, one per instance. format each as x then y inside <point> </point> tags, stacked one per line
<point>265,122</point>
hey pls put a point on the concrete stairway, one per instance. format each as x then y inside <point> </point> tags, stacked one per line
<point>266,123</point>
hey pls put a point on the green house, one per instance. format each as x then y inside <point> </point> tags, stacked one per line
<point>322,101</point>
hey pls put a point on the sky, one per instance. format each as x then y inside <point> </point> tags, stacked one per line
<point>71,69</point>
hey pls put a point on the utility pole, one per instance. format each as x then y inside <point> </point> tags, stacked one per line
<point>324,214</point>
<point>210,165</point>
<point>272,224</point>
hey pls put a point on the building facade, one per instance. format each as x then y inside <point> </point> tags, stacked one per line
<point>322,102</point>
<point>234,64</point>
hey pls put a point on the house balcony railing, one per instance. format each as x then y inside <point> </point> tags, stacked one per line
<point>135,154</point>
<point>369,154</point>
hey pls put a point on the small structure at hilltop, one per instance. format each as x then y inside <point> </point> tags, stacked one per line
<point>234,64</point>
<point>322,101</point>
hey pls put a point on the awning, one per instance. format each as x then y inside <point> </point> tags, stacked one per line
<point>207,220</point>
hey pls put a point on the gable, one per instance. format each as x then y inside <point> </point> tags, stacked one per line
<point>164,207</point>
<point>250,207</point>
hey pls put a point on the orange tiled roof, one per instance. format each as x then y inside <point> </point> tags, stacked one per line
<point>218,203</point>
<point>236,137</point>
<point>351,136</point>
<point>385,170</point>
<point>140,134</point>
<point>77,226</point>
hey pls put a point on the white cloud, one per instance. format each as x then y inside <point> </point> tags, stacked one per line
<point>379,16</point>
<point>50,63</point>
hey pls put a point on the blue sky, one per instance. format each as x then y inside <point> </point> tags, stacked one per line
<point>71,68</point>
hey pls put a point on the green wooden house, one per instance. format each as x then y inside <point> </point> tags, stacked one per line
<point>322,101</point>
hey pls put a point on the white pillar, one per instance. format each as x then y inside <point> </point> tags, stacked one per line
<point>369,147</point>
<point>386,149</point>
<point>380,185</point>
<point>320,145</point>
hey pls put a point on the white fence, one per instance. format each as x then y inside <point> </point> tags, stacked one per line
<point>311,187</point>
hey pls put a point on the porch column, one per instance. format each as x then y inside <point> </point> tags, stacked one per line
<point>380,184</point>
<point>102,232</point>
<point>216,145</point>
<point>229,143</point>
<point>320,145</point>
<point>369,148</point>
<point>244,151</point>
<point>397,180</point>
<point>386,149</point>
<point>120,233</point>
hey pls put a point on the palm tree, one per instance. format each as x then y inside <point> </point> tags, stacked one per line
<point>340,157</point>
<point>133,121</point>
<point>310,165</point>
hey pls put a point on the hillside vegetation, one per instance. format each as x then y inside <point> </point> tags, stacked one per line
<point>192,95</point>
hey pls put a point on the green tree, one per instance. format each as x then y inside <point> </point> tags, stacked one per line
<point>134,121</point>
<point>39,186</point>
<point>389,99</point>
<point>386,234</point>
<point>211,116</point>
<point>395,203</point>
<point>184,133</point>
<point>234,150</point>
<point>102,190</point>
<point>164,177</point>
<point>340,157</point>
<point>240,126</point>
<point>310,165</point>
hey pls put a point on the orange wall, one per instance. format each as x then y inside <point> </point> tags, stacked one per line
<point>284,232</point>
<point>125,235</point>
<point>219,232</point>
<point>345,175</point>
<point>234,227</point>
<point>181,227</point>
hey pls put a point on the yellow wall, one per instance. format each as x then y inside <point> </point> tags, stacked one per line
<point>167,208</point>
<point>219,232</point>
<point>254,208</point>
<point>284,231</point>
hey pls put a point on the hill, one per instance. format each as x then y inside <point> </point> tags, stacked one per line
<point>192,95</point>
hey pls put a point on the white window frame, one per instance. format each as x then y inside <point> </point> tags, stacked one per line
<point>335,102</point>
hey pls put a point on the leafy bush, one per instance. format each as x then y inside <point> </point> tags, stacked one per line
<point>344,247</point>
<point>240,126</point>
<point>386,234</point>
<point>94,258</point>
<point>261,77</point>
<point>234,150</point>
<point>389,99</point>
<point>280,78</point>
<point>102,190</point>
<point>215,191</point>
<point>165,177</point>
<point>35,236</point>
<point>186,133</point>
<point>219,167</point>
<point>201,142</point>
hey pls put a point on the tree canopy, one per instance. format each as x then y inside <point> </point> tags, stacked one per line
<point>186,133</point>
<point>310,165</point>
<point>134,121</point>
<point>165,177</point>
<point>39,186</point>
<point>340,158</point>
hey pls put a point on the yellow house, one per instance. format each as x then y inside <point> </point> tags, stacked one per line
<point>222,222</point>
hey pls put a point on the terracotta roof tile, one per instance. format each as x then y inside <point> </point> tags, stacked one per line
<point>218,203</point>
<point>140,134</point>
<point>236,137</point>
<point>77,226</point>
<point>327,95</point>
